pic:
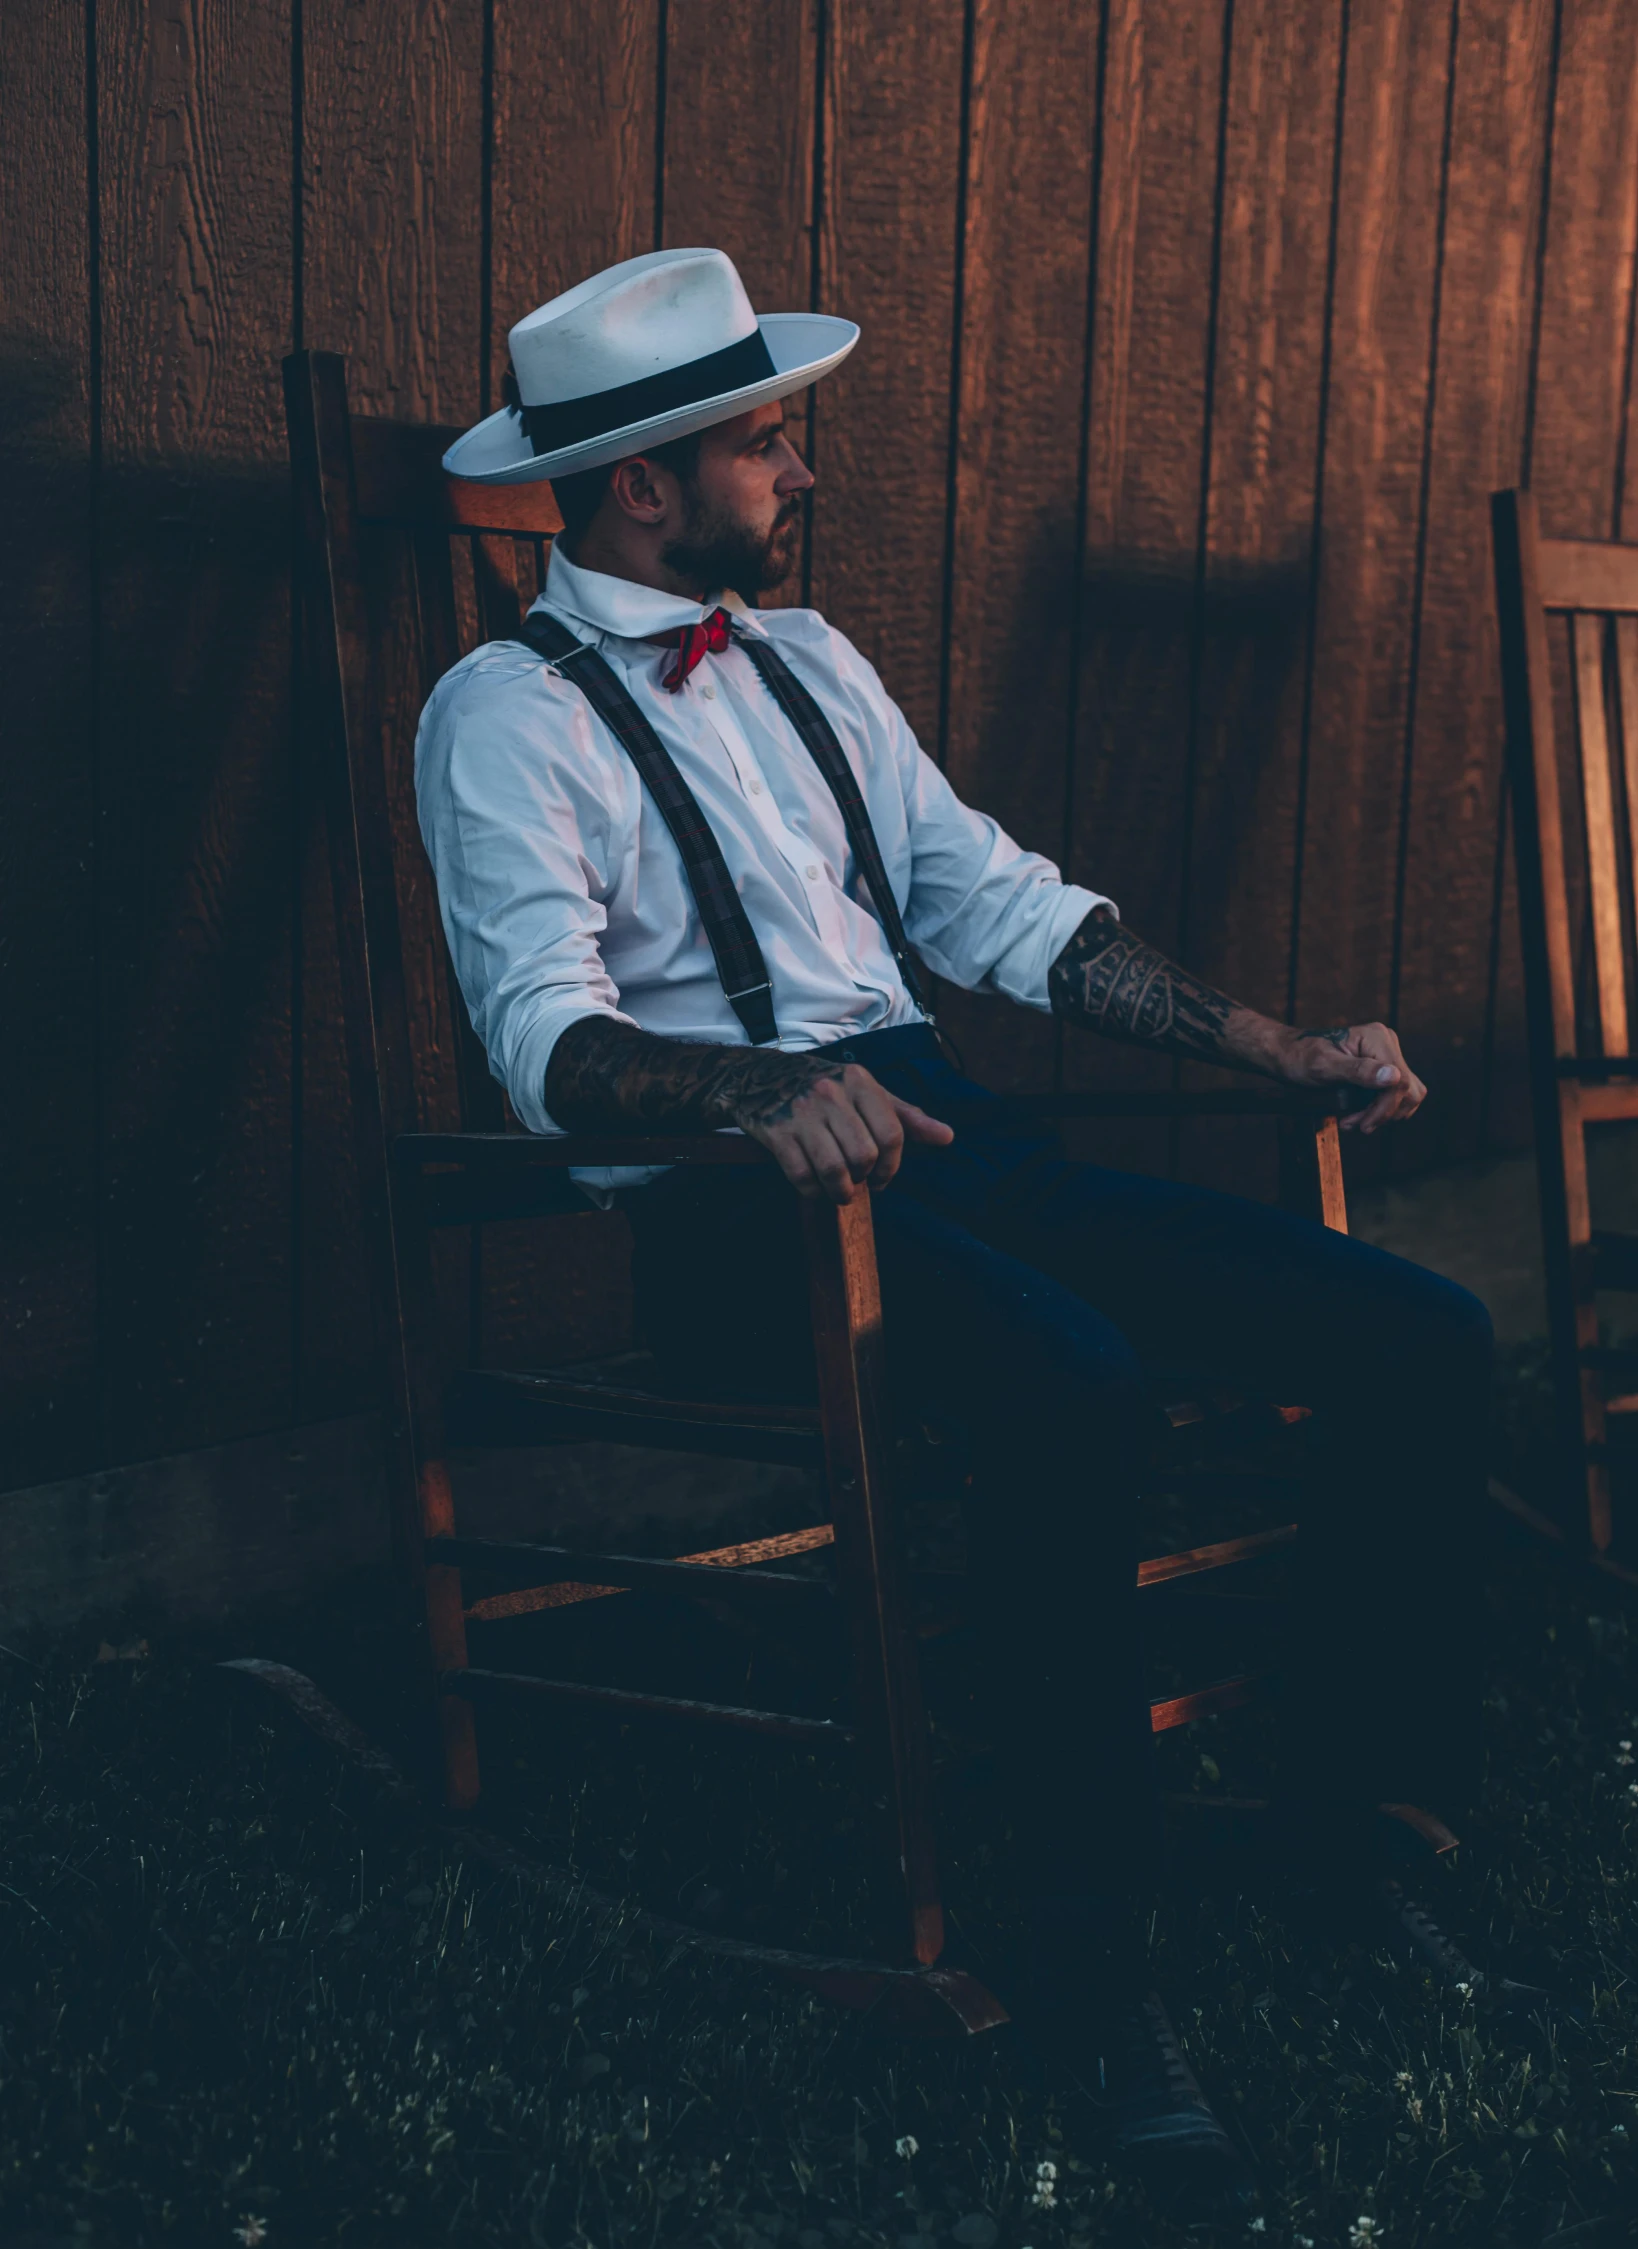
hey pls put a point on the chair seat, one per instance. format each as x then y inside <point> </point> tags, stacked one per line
<point>488,1407</point>
<point>492,1407</point>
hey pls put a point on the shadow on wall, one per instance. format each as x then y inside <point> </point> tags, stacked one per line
<point>196,888</point>
<point>148,947</point>
<point>1174,788</point>
<point>1188,693</point>
<point>1159,651</point>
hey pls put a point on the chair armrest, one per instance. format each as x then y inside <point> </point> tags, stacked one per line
<point>512,1152</point>
<point>470,1178</point>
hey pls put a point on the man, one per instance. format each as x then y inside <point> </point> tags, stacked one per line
<point>681,886</point>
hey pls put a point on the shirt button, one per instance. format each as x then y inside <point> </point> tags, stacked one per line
<point>813,874</point>
<point>709,693</point>
<point>756,788</point>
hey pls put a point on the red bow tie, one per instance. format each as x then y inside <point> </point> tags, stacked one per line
<point>693,643</point>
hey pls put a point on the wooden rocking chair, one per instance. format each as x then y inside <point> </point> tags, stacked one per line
<point>1582,1072</point>
<point>372,498</point>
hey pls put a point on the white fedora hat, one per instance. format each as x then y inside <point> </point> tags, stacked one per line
<point>648,350</point>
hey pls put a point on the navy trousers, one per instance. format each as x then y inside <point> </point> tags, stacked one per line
<point>1032,1299</point>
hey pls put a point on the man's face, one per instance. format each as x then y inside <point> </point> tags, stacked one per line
<point>742,509</point>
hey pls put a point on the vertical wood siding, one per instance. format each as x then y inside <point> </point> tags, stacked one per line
<point>1196,334</point>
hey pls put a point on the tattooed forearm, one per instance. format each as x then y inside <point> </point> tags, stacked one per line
<point>610,1077</point>
<point>1113,981</point>
<point>1128,990</point>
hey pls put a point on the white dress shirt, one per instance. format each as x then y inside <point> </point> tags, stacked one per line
<point>563,894</point>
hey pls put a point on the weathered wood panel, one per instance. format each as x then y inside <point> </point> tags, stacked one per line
<point>574,158</point>
<point>193,864</point>
<point>1259,556</point>
<point>391,192</point>
<point>1145,456</point>
<point>1156,489</point>
<point>1372,518</point>
<point>1009,641</point>
<point>1584,359</point>
<point>761,66</point>
<point>1445,956</point>
<point>891,138</point>
<point>49,1403</point>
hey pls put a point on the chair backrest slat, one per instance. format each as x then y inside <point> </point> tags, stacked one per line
<point>400,478</point>
<point>1588,574</point>
<point>435,602</point>
<point>1598,799</point>
<point>495,565</point>
<point>1533,773</point>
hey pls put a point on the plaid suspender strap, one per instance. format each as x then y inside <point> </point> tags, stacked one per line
<point>818,737</point>
<point>727,926</point>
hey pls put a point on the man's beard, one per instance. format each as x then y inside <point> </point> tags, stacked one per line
<point>718,549</point>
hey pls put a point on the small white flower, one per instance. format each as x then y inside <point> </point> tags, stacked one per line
<point>1046,2185</point>
<point>1363,2232</point>
<point>1257,2225</point>
<point>250,2231</point>
<point>1463,1988</point>
<point>907,2147</point>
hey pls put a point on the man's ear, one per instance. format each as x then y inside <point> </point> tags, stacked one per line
<point>639,490</point>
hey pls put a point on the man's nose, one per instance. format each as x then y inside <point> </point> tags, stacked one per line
<point>795,476</point>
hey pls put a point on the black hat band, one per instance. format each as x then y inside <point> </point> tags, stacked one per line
<point>573,421</point>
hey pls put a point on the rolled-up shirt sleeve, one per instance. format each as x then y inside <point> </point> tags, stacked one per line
<point>982,911</point>
<point>520,845</point>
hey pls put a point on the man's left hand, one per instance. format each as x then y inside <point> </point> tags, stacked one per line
<point>1366,1056</point>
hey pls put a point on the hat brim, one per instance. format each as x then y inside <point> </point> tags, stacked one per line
<point>802,345</point>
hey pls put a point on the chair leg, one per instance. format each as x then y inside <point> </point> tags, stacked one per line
<point>446,1643</point>
<point>847,1334</point>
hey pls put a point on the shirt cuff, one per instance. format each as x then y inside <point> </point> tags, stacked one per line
<point>1022,971</point>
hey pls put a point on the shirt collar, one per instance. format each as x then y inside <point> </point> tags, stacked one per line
<point>623,607</point>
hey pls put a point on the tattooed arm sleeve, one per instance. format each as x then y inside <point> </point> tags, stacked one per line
<point>1128,990</point>
<point>1110,979</point>
<point>606,1076</point>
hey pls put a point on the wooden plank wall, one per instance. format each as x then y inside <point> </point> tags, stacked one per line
<point>1195,335</point>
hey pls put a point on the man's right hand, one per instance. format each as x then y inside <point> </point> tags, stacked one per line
<point>828,1124</point>
<point>832,1128</point>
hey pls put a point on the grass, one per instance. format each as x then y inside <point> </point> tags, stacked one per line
<point>241,2003</point>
